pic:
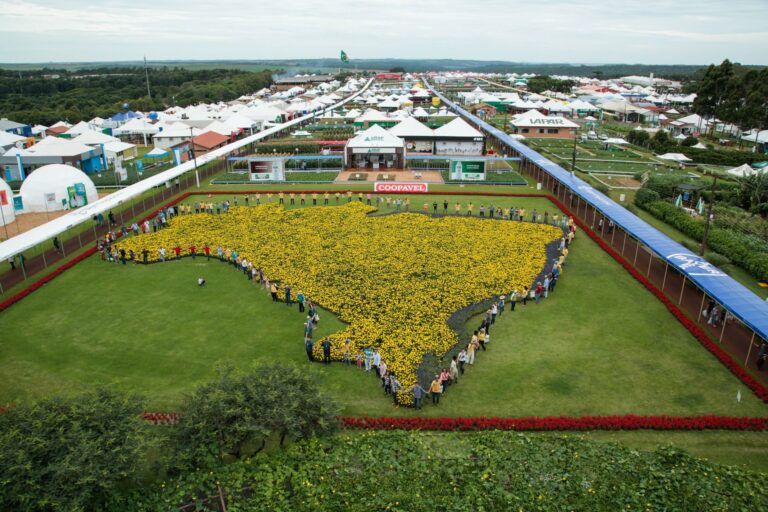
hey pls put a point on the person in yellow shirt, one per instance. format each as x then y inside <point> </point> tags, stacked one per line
<point>436,389</point>
<point>349,195</point>
<point>281,197</point>
<point>273,292</point>
<point>269,197</point>
<point>407,203</point>
<point>303,197</point>
<point>325,198</point>
<point>470,207</point>
<point>258,199</point>
<point>457,208</point>
<point>293,198</point>
<point>337,197</point>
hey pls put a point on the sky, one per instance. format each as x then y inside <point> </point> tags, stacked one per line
<point>579,31</point>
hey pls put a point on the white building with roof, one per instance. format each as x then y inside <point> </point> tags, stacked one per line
<point>458,138</point>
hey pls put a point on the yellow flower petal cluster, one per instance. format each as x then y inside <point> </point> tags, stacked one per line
<point>397,278</point>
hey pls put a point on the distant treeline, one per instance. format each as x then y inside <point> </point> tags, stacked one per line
<point>675,71</point>
<point>44,96</point>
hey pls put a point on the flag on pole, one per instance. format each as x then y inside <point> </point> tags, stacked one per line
<point>700,206</point>
<point>344,57</point>
<point>679,201</point>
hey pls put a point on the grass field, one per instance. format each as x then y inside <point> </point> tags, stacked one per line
<point>599,345</point>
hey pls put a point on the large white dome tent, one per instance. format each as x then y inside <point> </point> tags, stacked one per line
<point>6,203</point>
<point>57,187</point>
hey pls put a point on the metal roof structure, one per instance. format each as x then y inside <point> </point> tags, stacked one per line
<point>735,297</point>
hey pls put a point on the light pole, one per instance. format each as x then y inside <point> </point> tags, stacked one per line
<point>708,220</point>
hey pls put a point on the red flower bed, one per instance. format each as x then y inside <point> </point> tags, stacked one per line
<point>161,418</point>
<point>629,422</point>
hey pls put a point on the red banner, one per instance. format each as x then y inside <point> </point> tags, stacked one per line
<point>3,197</point>
<point>400,188</point>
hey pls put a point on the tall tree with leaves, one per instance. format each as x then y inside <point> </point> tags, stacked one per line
<point>70,453</point>
<point>713,89</point>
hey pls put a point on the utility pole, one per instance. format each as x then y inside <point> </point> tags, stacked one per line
<point>573,157</point>
<point>708,221</point>
<point>194,158</point>
<point>146,73</point>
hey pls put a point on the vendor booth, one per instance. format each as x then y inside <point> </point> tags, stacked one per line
<point>375,148</point>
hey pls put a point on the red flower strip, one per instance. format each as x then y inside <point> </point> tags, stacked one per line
<point>628,422</point>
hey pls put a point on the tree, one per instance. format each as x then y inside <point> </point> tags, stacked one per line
<point>70,453</point>
<point>660,141</point>
<point>689,141</point>
<point>753,193</point>
<point>240,412</point>
<point>639,138</point>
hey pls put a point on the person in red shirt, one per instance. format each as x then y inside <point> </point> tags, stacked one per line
<point>177,250</point>
<point>193,251</point>
<point>207,251</point>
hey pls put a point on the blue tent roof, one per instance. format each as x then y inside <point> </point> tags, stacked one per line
<point>735,297</point>
<point>124,116</point>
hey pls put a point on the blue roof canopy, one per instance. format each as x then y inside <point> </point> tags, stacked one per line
<point>735,297</point>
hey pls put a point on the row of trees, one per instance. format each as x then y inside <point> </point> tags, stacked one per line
<point>86,452</point>
<point>734,94</point>
<point>35,97</point>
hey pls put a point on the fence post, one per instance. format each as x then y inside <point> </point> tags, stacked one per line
<point>682,289</point>
<point>749,351</point>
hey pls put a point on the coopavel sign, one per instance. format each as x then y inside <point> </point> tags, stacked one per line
<point>400,188</point>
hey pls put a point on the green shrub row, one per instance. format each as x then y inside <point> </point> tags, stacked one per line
<point>417,471</point>
<point>747,251</point>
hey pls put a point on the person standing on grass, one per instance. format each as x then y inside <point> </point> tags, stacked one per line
<point>382,371</point>
<point>545,286</point>
<point>287,290</point>
<point>538,291</point>
<point>193,251</point>
<point>457,208</point>
<point>462,360</point>
<point>482,210</point>
<point>309,346</point>
<point>314,198</point>
<point>368,353</point>
<point>394,386</point>
<point>470,206</point>
<point>491,211</point>
<point>479,339</point>
<point>347,355</point>
<point>326,351</point>
<point>325,198</point>
<point>207,251</point>
<point>418,395</point>
<point>494,313</point>
<point>273,292</point>
<point>220,253</point>
<point>436,389</point>
<point>445,207</point>
<point>434,207</point>
<point>307,329</point>
<point>376,361</point>
<point>300,300</point>
<point>177,250</point>
<point>454,370</point>
<point>471,353</point>
<point>502,298</point>
<point>303,197</point>
<point>162,253</point>
<point>526,295</point>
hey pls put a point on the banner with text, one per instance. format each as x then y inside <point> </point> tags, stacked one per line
<point>400,188</point>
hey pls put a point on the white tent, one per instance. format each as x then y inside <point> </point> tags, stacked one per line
<point>375,137</point>
<point>240,121</point>
<point>420,112</point>
<point>79,128</point>
<point>46,187</point>
<point>676,157</point>
<point>699,145</point>
<point>137,126</point>
<point>458,128</point>
<point>119,148</point>
<point>745,170</point>
<point>54,146</point>
<point>220,128</point>
<point>411,127</point>
<point>156,153</point>
<point>8,140</point>
<point>615,141</point>
<point>39,129</point>
<point>92,138</point>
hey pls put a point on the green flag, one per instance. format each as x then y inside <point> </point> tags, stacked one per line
<point>344,57</point>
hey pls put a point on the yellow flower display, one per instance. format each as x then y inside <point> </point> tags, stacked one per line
<point>393,278</point>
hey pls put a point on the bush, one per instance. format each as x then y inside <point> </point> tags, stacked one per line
<point>238,413</point>
<point>70,453</point>
<point>689,141</point>
<point>716,259</point>
<point>645,196</point>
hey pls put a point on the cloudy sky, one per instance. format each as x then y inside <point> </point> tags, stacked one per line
<point>588,31</point>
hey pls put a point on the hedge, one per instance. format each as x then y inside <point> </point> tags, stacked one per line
<point>747,251</point>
